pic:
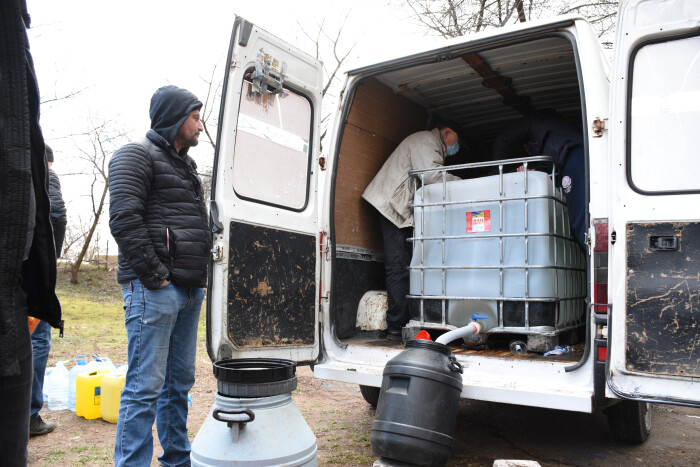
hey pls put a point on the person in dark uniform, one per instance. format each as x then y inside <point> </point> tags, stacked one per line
<point>41,336</point>
<point>548,133</point>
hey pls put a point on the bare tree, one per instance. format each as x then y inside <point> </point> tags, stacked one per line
<point>57,98</point>
<point>209,115</point>
<point>95,147</point>
<point>601,14</point>
<point>328,49</point>
<point>339,58</point>
<point>454,18</point>
<point>205,173</point>
<point>76,231</point>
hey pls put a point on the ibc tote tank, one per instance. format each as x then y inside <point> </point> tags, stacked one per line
<point>483,216</point>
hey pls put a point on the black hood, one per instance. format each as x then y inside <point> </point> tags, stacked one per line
<point>170,106</point>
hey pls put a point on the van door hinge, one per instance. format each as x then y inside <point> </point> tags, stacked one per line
<point>598,127</point>
<point>217,253</point>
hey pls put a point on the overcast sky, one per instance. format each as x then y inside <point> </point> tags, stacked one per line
<point>116,54</point>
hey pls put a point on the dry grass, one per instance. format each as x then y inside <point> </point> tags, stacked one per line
<point>94,316</point>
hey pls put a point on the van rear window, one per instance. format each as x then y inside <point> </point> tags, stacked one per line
<point>664,116</point>
<point>272,153</point>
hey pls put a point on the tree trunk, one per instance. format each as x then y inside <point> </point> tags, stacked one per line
<point>521,10</point>
<point>75,265</point>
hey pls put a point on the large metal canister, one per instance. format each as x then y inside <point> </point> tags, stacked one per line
<point>254,421</point>
<point>418,402</point>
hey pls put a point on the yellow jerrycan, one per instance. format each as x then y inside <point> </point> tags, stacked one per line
<point>88,394</point>
<point>112,385</point>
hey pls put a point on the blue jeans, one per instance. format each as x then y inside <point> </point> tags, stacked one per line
<point>41,346</point>
<point>161,328</point>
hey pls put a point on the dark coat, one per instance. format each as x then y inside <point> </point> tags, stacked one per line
<point>546,133</point>
<point>157,215</point>
<point>23,178</point>
<point>58,211</point>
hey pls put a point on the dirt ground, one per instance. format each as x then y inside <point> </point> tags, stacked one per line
<point>341,421</point>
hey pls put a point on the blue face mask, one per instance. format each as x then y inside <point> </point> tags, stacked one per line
<point>453,149</point>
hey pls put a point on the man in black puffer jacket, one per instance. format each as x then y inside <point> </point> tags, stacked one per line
<point>158,219</point>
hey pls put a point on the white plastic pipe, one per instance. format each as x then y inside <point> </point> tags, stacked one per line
<point>471,328</point>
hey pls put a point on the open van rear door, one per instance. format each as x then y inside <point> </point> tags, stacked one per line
<point>654,333</point>
<point>262,299</point>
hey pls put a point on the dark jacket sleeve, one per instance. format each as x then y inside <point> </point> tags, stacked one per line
<point>58,211</point>
<point>509,144</point>
<point>130,176</point>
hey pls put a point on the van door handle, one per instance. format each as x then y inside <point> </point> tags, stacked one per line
<point>216,226</point>
<point>663,243</point>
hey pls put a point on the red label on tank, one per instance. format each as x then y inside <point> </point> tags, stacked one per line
<point>478,221</point>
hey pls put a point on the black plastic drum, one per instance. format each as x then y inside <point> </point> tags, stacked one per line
<point>417,408</point>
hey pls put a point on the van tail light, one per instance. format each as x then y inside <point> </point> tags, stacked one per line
<point>600,266</point>
<point>602,354</point>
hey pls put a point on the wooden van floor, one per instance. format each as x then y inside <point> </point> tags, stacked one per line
<point>374,340</point>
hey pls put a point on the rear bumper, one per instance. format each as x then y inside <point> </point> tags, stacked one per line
<point>481,386</point>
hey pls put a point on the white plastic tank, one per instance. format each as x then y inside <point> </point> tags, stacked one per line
<point>490,230</point>
<point>58,387</point>
<point>254,421</point>
<point>80,367</point>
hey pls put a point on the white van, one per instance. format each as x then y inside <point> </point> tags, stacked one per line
<point>281,286</point>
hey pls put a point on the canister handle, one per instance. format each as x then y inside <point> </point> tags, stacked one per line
<point>241,416</point>
<point>455,365</point>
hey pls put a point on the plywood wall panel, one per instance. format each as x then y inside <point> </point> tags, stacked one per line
<point>378,121</point>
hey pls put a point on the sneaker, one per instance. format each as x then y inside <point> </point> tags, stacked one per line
<point>39,427</point>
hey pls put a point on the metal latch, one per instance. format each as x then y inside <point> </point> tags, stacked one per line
<point>217,253</point>
<point>598,127</point>
<point>663,243</point>
<point>327,249</point>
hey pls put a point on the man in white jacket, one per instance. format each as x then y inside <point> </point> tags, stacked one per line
<point>391,193</point>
